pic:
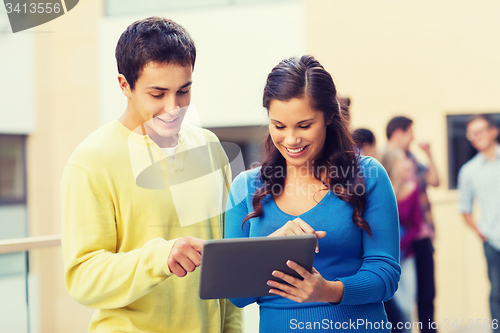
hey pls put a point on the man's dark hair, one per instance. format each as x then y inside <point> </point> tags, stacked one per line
<point>362,136</point>
<point>153,39</point>
<point>398,123</point>
<point>486,117</point>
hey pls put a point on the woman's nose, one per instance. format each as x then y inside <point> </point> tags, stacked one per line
<point>292,139</point>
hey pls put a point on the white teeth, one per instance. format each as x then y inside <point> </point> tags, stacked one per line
<point>294,151</point>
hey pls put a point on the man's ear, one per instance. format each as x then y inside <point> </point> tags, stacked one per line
<point>398,132</point>
<point>495,132</point>
<point>124,86</point>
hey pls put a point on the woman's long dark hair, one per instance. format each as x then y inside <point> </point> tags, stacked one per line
<point>296,78</point>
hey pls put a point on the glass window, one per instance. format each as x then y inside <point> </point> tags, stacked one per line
<point>4,22</point>
<point>13,224</point>
<point>128,7</point>
<point>248,138</point>
<point>251,1</point>
<point>12,169</point>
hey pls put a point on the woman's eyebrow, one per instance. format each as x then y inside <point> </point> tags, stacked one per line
<point>302,121</point>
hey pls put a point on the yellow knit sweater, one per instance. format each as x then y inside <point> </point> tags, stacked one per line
<point>118,228</point>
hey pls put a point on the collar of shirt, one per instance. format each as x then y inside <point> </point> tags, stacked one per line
<point>483,158</point>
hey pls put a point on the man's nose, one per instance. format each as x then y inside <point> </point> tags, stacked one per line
<point>171,105</point>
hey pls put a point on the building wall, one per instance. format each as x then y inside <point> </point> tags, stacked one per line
<point>425,60</point>
<point>67,100</point>
<point>17,113</point>
<point>402,57</point>
<point>17,117</point>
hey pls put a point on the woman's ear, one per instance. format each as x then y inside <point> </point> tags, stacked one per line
<point>328,120</point>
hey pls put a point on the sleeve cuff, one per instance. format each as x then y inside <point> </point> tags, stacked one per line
<point>159,258</point>
<point>357,289</point>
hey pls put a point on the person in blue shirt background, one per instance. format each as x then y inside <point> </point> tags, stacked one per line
<point>312,182</point>
<point>479,180</point>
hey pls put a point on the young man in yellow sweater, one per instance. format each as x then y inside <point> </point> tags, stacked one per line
<point>142,193</point>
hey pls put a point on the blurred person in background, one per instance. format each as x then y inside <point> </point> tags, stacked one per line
<point>345,104</point>
<point>403,179</point>
<point>400,135</point>
<point>126,254</point>
<point>479,179</point>
<point>365,141</point>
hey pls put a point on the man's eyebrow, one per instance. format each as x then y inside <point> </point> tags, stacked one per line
<point>165,89</point>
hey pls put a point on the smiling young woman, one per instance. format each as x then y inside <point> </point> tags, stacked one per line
<point>309,183</point>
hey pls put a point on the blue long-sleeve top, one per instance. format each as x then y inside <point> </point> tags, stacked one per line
<point>368,266</point>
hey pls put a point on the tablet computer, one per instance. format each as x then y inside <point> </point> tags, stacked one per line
<point>241,267</point>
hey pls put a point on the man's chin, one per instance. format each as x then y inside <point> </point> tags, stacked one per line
<point>481,147</point>
<point>161,129</point>
<point>166,133</point>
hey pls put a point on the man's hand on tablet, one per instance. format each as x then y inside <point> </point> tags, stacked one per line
<point>185,255</point>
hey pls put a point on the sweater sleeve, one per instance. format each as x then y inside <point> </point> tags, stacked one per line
<point>237,209</point>
<point>378,277</point>
<point>233,318</point>
<point>95,275</point>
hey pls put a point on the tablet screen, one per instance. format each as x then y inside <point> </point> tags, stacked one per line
<point>241,267</point>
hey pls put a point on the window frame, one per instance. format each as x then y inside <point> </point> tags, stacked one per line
<point>23,199</point>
